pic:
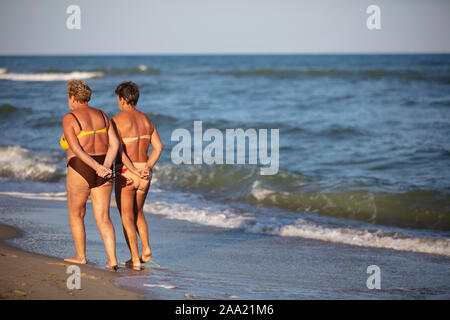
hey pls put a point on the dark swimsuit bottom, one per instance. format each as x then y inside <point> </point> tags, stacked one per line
<point>83,169</point>
<point>87,172</point>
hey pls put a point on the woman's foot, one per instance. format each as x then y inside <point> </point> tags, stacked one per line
<point>132,263</point>
<point>112,267</point>
<point>146,255</point>
<point>76,259</point>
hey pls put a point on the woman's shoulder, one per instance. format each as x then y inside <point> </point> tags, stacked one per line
<point>143,116</point>
<point>82,112</point>
<point>70,120</point>
<point>67,117</point>
<point>147,120</point>
<point>122,116</point>
<point>96,110</point>
<point>122,121</point>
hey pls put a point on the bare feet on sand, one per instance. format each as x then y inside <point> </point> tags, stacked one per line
<point>131,263</point>
<point>146,256</point>
<point>112,267</point>
<point>136,265</point>
<point>76,259</point>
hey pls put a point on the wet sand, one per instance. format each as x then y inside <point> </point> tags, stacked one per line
<point>26,275</point>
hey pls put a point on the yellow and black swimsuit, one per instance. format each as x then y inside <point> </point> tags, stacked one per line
<point>65,145</point>
<point>79,166</point>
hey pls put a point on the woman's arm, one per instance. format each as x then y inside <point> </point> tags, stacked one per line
<point>113,148</point>
<point>127,163</point>
<point>74,144</point>
<point>156,149</point>
<point>123,156</point>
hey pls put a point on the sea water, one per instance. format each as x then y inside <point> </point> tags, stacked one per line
<point>364,148</point>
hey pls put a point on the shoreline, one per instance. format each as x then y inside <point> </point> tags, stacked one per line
<point>193,261</point>
<point>27,275</point>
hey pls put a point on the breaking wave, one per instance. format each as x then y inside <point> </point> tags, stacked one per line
<point>50,76</point>
<point>422,209</point>
<point>21,164</point>
<point>195,209</point>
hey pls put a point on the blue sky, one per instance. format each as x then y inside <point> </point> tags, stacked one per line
<point>225,26</point>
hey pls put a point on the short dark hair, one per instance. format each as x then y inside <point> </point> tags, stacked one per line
<point>129,91</point>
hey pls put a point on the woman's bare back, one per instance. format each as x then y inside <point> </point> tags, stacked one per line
<point>90,119</point>
<point>135,130</point>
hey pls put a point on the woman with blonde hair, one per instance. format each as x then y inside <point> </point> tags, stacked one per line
<point>136,134</point>
<point>92,145</point>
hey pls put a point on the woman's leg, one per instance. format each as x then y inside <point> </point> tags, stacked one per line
<point>118,193</point>
<point>141,223</point>
<point>101,198</point>
<point>77,195</point>
<point>125,191</point>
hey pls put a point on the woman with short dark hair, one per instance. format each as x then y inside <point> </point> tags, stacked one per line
<point>136,133</point>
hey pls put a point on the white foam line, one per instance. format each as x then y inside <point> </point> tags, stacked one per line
<point>197,210</point>
<point>59,196</point>
<point>355,237</point>
<point>75,75</point>
<point>164,286</point>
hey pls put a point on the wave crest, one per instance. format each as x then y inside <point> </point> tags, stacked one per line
<point>422,209</point>
<point>50,76</point>
<point>7,109</point>
<point>140,69</point>
<point>196,209</point>
<point>403,74</point>
<point>21,164</point>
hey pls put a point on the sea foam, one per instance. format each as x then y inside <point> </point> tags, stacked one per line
<point>22,164</point>
<point>194,208</point>
<point>49,76</point>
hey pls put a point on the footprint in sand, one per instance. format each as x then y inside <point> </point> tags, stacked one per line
<point>58,263</point>
<point>19,293</point>
<point>84,275</point>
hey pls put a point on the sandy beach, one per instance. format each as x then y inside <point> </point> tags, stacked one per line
<point>26,275</point>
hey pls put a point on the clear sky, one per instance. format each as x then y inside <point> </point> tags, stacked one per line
<point>223,26</point>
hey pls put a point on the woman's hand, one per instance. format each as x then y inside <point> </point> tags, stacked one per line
<point>145,173</point>
<point>103,172</point>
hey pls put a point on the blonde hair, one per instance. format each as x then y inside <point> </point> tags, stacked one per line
<point>79,90</point>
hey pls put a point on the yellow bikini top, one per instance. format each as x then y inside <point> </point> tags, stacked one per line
<point>65,145</point>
